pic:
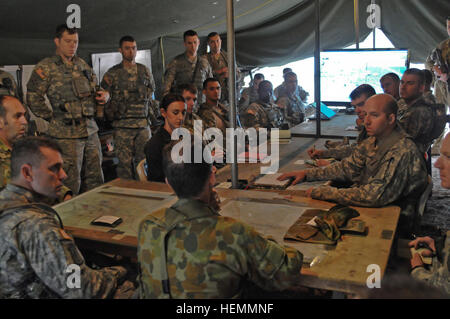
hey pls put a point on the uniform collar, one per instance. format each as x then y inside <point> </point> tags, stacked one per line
<point>193,207</point>
<point>22,192</point>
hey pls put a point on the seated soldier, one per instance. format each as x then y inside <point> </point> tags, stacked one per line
<point>263,113</point>
<point>173,109</point>
<point>290,102</point>
<point>250,94</point>
<point>358,98</point>
<point>35,251</point>
<point>439,273</point>
<point>386,168</point>
<point>212,112</point>
<point>390,83</point>
<point>417,118</point>
<point>189,93</point>
<point>299,91</point>
<point>190,251</point>
<point>12,127</point>
<point>428,95</point>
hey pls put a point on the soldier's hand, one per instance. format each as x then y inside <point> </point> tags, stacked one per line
<point>296,176</point>
<point>313,153</point>
<point>67,197</point>
<point>322,162</point>
<point>427,240</point>
<point>102,97</point>
<point>416,261</point>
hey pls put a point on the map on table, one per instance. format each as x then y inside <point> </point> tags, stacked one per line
<point>272,219</point>
<point>132,205</point>
<point>307,185</point>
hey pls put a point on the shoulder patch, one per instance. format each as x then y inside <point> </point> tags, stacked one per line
<point>39,71</point>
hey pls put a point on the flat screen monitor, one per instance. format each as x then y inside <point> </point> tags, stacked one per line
<point>341,71</point>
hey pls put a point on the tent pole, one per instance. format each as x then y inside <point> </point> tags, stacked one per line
<point>317,69</point>
<point>232,87</point>
<point>356,13</point>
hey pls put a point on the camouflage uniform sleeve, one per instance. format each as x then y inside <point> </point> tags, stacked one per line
<point>271,266</point>
<point>344,170</point>
<point>384,188</point>
<point>37,87</point>
<point>418,124</point>
<point>107,85</point>
<point>251,117</point>
<point>50,251</point>
<point>339,152</point>
<point>169,76</point>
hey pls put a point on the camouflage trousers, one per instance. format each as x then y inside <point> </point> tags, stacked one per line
<point>82,162</point>
<point>129,148</point>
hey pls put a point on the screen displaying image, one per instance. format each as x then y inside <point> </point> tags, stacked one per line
<point>341,71</point>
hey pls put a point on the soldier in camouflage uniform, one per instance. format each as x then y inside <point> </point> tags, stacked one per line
<point>441,89</point>
<point>187,67</point>
<point>130,86</point>
<point>250,94</point>
<point>212,112</point>
<point>290,102</point>
<point>70,85</point>
<point>263,113</point>
<point>190,251</point>
<point>35,250</point>
<point>217,58</point>
<point>358,98</point>
<point>386,168</point>
<point>189,93</point>
<point>439,273</point>
<point>12,128</point>
<point>8,85</point>
<point>418,118</point>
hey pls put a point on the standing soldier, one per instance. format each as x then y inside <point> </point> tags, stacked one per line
<point>188,67</point>
<point>439,63</point>
<point>70,85</point>
<point>217,58</point>
<point>131,86</point>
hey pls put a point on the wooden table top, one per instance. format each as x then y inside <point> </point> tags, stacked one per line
<point>343,267</point>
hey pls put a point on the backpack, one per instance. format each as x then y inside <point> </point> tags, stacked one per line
<point>439,120</point>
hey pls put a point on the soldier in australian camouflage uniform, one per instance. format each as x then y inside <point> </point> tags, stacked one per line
<point>187,67</point>
<point>131,86</point>
<point>263,113</point>
<point>70,85</point>
<point>35,251</point>
<point>190,251</point>
<point>385,168</point>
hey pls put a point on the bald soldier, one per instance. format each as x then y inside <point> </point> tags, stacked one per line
<point>12,128</point>
<point>384,169</point>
